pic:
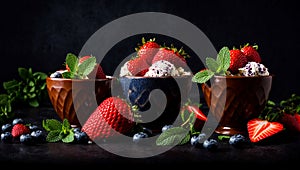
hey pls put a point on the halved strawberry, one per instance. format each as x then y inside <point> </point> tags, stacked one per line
<point>259,129</point>
<point>291,121</point>
<point>147,50</point>
<point>251,53</point>
<point>137,66</point>
<point>172,55</point>
<point>237,60</point>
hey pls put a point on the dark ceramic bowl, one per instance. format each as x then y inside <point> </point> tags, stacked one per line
<point>76,99</point>
<point>157,99</point>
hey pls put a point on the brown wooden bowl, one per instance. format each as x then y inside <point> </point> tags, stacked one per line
<point>76,99</point>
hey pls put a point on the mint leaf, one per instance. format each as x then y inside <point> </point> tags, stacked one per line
<point>87,66</point>
<point>67,75</point>
<point>54,136</point>
<point>52,124</point>
<point>68,138</point>
<point>72,62</point>
<point>203,76</point>
<point>23,73</point>
<point>212,64</point>
<point>172,136</point>
<point>66,124</point>
<point>11,84</point>
<point>223,58</point>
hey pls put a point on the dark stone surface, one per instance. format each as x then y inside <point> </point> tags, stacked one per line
<point>281,151</point>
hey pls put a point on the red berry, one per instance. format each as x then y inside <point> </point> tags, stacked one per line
<point>19,129</point>
<point>237,60</point>
<point>251,53</point>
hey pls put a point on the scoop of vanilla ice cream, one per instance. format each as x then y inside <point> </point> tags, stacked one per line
<point>124,70</point>
<point>163,68</point>
<point>254,69</point>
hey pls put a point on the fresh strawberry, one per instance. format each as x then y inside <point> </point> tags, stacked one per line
<point>237,60</point>
<point>112,117</point>
<point>98,72</point>
<point>19,129</point>
<point>291,121</point>
<point>251,53</point>
<point>259,129</point>
<point>172,55</point>
<point>147,50</point>
<point>196,110</point>
<point>137,66</point>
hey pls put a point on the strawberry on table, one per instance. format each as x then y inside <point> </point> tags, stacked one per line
<point>112,117</point>
<point>259,129</point>
<point>147,50</point>
<point>291,121</point>
<point>251,53</point>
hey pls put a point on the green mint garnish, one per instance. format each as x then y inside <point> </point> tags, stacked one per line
<point>218,66</point>
<point>78,70</point>
<point>173,136</point>
<point>58,131</point>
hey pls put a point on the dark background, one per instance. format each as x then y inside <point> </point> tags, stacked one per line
<point>39,34</point>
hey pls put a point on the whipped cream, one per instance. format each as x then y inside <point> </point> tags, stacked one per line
<point>254,69</point>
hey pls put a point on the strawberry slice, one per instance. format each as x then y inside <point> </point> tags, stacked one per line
<point>259,129</point>
<point>195,109</point>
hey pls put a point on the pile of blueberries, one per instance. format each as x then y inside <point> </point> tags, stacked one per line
<point>36,134</point>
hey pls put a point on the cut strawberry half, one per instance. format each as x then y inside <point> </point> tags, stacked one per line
<point>259,129</point>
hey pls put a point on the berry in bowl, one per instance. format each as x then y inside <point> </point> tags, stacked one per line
<point>78,89</point>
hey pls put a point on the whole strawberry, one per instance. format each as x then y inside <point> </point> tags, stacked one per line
<point>19,129</point>
<point>137,66</point>
<point>251,53</point>
<point>171,54</point>
<point>147,50</point>
<point>112,117</point>
<point>237,60</point>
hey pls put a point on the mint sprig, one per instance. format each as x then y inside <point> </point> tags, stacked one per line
<point>218,66</point>
<point>58,131</point>
<point>173,136</point>
<point>78,70</point>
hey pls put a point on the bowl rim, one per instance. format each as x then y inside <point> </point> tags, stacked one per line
<point>242,77</point>
<point>80,80</point>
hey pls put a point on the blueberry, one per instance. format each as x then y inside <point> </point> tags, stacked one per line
<point>17,120</point>
<point>210,144</point>
<point>197,140</point>
<point>6,137</point>
<point>77,129</point>
<point>138,136</point>
<point>237,140</point>
<point>166,127</point>
<point>56,74</point>
<point>33,127</point>
<point>81,137</point>
<point>26,139</point>
<point>6,127</point>
<point>38,136</point>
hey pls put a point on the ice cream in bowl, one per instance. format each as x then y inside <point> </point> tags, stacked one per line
<point>156,85</point>
<point>238,89</point>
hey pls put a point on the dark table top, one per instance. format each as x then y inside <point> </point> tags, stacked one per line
<point>281,151</point>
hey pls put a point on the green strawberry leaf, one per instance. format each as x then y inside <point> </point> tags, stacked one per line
<point>172,136</point>
<point>203,76</point>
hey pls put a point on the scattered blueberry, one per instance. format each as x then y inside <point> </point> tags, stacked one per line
<point>6,137</point>
<point>26,139</point>
<point>166,127</point>
<point>33,127</point>
<point>138,136</point>
<point>17,120</point>
<point>197,140</point>
<point>81,137</point>
<point>210,144</point>
<point>6,127</point>
<point>237,140</point>
<point>39,136</point>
